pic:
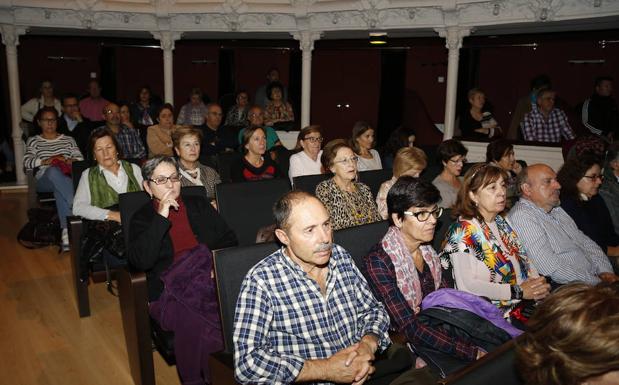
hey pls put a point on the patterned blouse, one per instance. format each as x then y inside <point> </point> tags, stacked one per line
<point>201,176</point>
<point>281,113</point>
<point>348,209</point>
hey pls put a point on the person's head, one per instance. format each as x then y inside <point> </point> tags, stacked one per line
<point>125,112</point>
<point>362,136</point>
<point>339,158</point>
<point>612,158</point>
<point>161,177</point>
<point>272,75</point>
<point>94,88</point>
<point>538,183</point>
<point>165,115</point>
<point>409,161</point>
<point>303,225</point>
<point>412,204</point>
<point>540,82</point>
<point>275,91</point>
<point>501,152</point>
<point>144,94</point>
<point>47,119</point>
<point>572,338</point>
<point>546,100</point>
<point>111,114</point>
<point>186,141</point>
<point>483,192</point>
<point>213,115</point>
<point>452,155</point>
<point>242,98</point>
<point>254,141</point>
<point>476,98</point>
<point>195,96</point>
<point>103,145</point>
<point>47,89</point>
<point>255,116</point>
<point>310,140</point>
<point>604,86</point>
<point>400,137</point>
<point>580,177</point>
<point>70,106</point>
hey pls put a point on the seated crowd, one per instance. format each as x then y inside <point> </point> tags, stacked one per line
<point>307,312</point>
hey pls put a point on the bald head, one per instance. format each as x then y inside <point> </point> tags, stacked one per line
<point>538,183</point>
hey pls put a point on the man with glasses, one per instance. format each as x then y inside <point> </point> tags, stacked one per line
<point>545,122</point>
<point>129,140</point>
<point>72,122</point>
<point>255,116</point>
<point>216,138</point>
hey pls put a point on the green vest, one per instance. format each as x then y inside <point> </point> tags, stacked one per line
<point>101,194</point>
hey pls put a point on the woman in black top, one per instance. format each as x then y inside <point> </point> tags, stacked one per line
<point>254,165</point>
<point>477,122</point>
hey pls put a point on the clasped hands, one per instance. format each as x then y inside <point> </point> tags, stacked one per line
<point>353,364</point>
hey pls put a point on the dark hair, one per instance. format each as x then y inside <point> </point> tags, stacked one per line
<point>450,148</point>
<point>329,152</point>
<point>544,91</point>
<point>283,207</point>
<point>147,88</point>
<point>68,95</point>
<point>358,129</point>
<point>43,110</point>
<point>476,178</point>
<point>304,132</point>
<point>166,106</point>
<point>540,81</point>
<point>247,134</point>
<point>498,149</point>
<point>572,171</point>
<point>195,91</point>
<point>601,79</point>
<point>410,192</point>
<point>397,139</point>
<point>272,86</point>
<point>99,133</point>
<point>241,91</point>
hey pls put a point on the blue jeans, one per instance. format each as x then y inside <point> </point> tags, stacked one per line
<point>53,180</point>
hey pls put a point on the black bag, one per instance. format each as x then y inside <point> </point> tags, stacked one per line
<point>99,238</point>
<point>42,229</point>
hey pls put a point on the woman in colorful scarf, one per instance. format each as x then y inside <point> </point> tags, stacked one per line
<point>403,268</point>
<point>482,248</point>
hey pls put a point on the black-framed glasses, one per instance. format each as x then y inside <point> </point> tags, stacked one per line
<point>423,216</point>
<point>594,177</point>
<point>312,139</point>
<point>461,160</point>
<point>174,178</point>
<point>352,159</point>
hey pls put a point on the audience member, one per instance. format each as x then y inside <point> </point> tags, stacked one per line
<point>545,122</point>
<point>262,97</point>
<point>170,239</point>
<point>73,124</point>
<point>254,165</point>
<point>350,203</point>
<point>552,240</point>
<point>400,137</point>
<point>277,109</point>
<point>194,112</point>
<point>186,142</point>
<point>452,155</point>
<point>523,106</point>
<point>129,141</point>
<point>500,153</point>
<point>237,115</point>
<point>216,137</point>
<point>477,122</point>
<point>45,99</point>
<point>599,112</point>
<point>255,117</point>
<point>610,186</point>
<point>484,251</point>
<point>580,179</point>
<point>572,339</point>
<point>144,109</point>
<point>92,105</point>
<point>408,161</point>
<point>159,136</point>
<point>125,115</point>
<point>363,144</point>
<point>306,161</point>
<point>50,154</point>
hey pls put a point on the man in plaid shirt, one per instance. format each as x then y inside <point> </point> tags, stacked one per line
<point>129,141</point>
<point>305,313</point>
<point>545,123</point>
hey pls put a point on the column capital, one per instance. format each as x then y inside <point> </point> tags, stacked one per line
<point>167,39</point>
<point>10,34</point>
<point>306,39</point>
<point>453,35</point>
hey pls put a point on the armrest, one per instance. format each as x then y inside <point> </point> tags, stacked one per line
<point>77,275</point>
<point>32,189</point>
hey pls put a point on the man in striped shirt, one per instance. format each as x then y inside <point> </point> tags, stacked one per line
<point>556,246</point>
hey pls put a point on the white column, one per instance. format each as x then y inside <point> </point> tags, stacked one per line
<point>10,38</point>
<point>453,41</point>
<point>166,42</point>
<point>306,43</point>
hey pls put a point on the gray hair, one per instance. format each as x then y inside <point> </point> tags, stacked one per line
<point>150,165</point>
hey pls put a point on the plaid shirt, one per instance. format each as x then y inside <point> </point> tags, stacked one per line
<point>535,127</point>
<point>382,276</point>
<point>282,318</point>
<point>130,143</point>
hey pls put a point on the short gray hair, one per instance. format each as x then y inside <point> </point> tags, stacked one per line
<point>521,179</point>
<point>150,165</point>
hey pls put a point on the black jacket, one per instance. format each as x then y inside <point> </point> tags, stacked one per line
<point>81,134</point>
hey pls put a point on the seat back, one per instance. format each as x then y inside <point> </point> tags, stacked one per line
<point>225,160</point>
<point>231,266</point>
<point>128,204</point>
<point>440,231</point>
<point>308,183</point>
<point>77,168</point>
<point>246,206</point>
<point>359,240</point>
<point>374,178</point>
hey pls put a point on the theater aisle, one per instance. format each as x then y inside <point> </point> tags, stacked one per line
<point>42,339</point>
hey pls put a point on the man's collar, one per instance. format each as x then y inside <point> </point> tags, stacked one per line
<point>532,204</point>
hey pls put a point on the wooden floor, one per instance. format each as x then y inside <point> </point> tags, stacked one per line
<point>42,339</point>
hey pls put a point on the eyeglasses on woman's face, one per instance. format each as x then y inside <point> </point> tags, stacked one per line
<point>594,177</point>
<point>461,160</point>
<point>159,180</point>
<point>423,216</point>
<point>313,139</point>
<point>352,159</point>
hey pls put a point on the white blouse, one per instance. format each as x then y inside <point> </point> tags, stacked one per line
<point>364,164</point>
<point>301,164</point>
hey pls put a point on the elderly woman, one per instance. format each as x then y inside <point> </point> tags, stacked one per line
<point>501,153</point>
<point>306,161</point>
<point>159,136</point>
<point>237,114</point>
<point>363,145</point>
<point>50,155</point>
<point>573,339</point>
<point>254,165</point>
<point>580,179</point>
<point>170,238</point>
<point>408,161</point>
<point>403,267</point>
<point>486,255</point>
<point>452,155</point>
<point>610,186</point>
<point>186,142</point>
<point>350,203</point>
<point>277,109</point>
<point>477,122</point>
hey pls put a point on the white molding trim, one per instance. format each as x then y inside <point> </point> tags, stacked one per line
<point>552,156</point>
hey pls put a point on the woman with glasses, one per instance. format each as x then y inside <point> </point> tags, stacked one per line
<point>363,145</point>
<point>50,154</point>
<point>403,267</point>
<point>306,161</point>
<point>483,250</point>
<point>452,155</point>
<point>580,179</point>
<point>170,239</point>
<point>254,165</point>
<point>350,203</point>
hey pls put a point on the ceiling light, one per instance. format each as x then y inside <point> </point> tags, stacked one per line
<point>378,38</point>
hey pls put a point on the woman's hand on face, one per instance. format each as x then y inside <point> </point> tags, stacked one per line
<point>166,202</point>
<point>113,216</point>
<point>535,288</point>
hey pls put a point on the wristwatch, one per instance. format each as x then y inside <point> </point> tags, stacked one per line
<point>516,291</point>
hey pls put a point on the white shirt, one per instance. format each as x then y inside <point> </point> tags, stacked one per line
<point>364,164</point>
<point>301,164</point>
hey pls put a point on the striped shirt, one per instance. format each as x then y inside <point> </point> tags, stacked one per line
<point>38,149</point>
<point>536,127</point>
<point>556,246</point>
<point>283,319</point>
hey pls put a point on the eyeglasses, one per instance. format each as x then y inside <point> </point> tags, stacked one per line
<point>594,177</point>
<point>423,216</point>
<point>352,159</point>
<point>313,139</point>
<point>48,120</point>
<point>461,161</point>
<point>174,178</point>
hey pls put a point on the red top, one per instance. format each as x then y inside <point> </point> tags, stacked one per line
<point>181,233</point>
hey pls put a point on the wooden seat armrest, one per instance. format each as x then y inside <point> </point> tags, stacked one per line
<point>76,227</point>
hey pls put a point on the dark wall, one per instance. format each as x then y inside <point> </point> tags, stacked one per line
<point>252,64</point>
<point>196,64</point>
